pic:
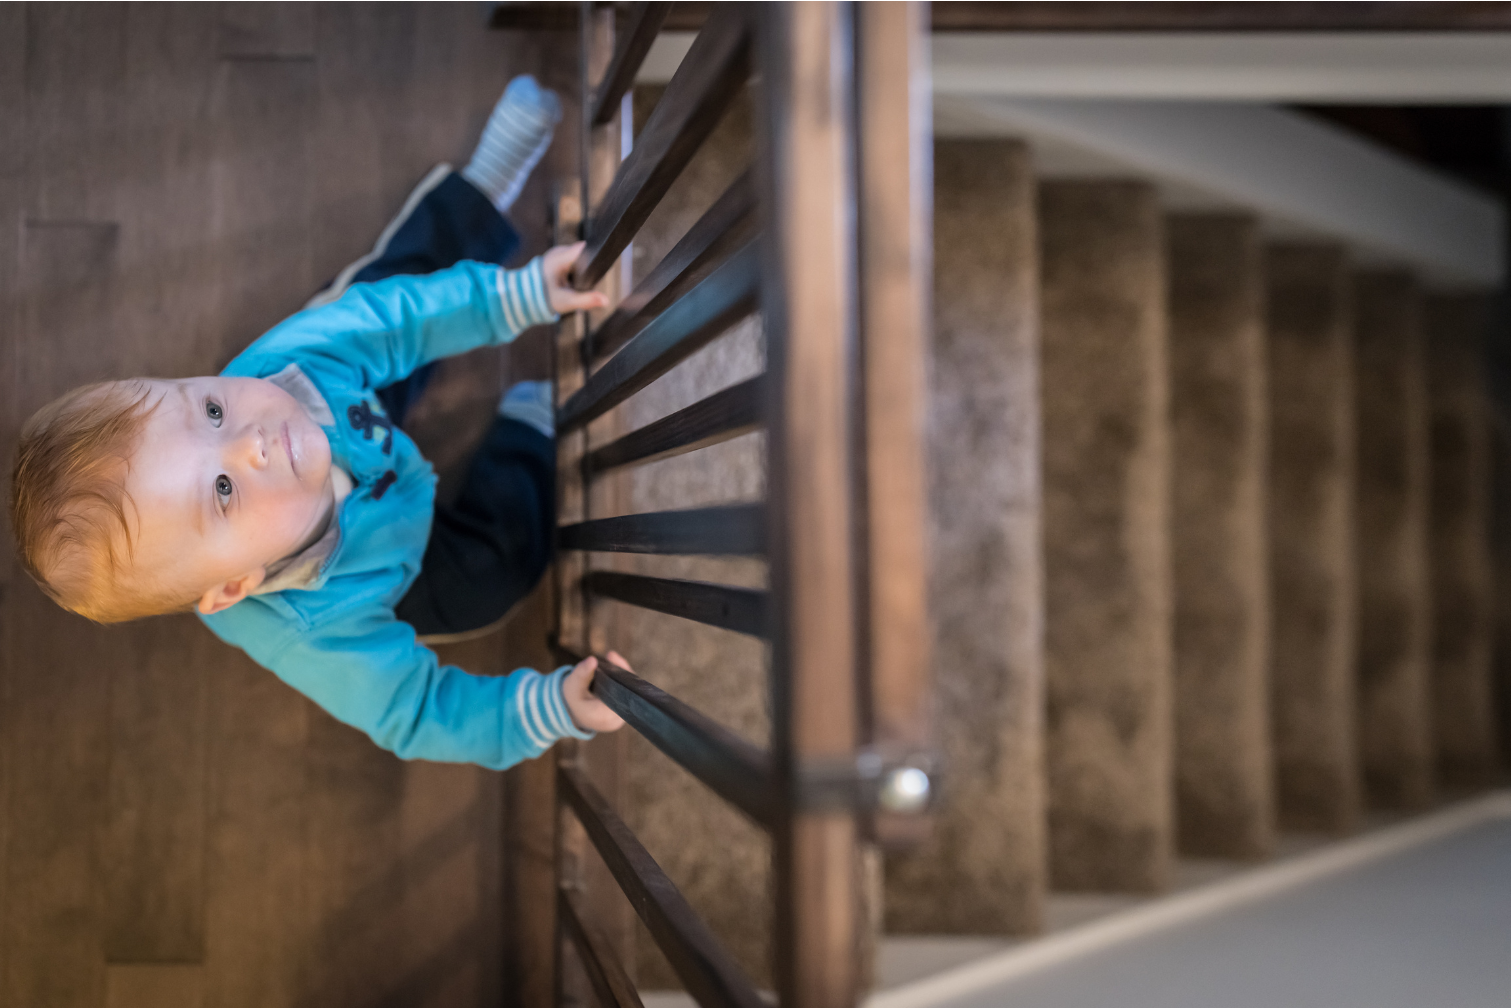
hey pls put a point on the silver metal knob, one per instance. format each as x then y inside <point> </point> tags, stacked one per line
<point>904,790</point>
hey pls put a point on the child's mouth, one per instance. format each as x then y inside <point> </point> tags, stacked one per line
<point>288,450</point>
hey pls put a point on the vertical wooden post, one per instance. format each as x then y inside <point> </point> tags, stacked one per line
<point>895,192</point>
<point>529,799</point>
<point>808,297</point>
<point>600,148</point>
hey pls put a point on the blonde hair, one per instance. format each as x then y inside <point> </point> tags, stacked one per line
<point>68,503</point>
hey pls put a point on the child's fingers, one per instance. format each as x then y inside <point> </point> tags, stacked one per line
<point>570,301</point>
<point>600,717</point>
<point>587,711</point>
<point>584,669</point>
<point>561,258</point>
<point>565,253</point>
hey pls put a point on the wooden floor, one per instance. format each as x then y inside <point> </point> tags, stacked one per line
<point>177,827</point>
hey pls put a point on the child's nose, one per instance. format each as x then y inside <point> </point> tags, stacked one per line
<point>251,447</point>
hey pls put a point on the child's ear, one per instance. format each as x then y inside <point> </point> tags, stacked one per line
<point>228,593</point>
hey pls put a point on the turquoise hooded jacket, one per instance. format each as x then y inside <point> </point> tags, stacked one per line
<point>336,640</point>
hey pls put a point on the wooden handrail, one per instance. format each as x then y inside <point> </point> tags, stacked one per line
<point>707,81</point>
<point>725,226</point>
<point>610,982</point>
<point>722,530</point>
<point>742,610</point>
<point>725,414</point>
<point>705,969</point>
<point>723,298</point>
<point>644,21</point>
<point>895,232</point>
<point>809,316</point>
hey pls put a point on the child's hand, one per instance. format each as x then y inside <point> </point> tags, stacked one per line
<point>588,712</point>
<point>556,264</point>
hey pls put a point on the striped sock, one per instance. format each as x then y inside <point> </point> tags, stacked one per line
<point>530,402</point>
<point>514,141</point>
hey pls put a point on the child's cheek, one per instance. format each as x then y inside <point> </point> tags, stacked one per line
<point>320,450</point>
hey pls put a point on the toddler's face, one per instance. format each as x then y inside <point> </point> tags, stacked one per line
<point>230,475</point>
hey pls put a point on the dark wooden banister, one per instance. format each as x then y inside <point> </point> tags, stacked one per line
<point>725,414</point>
<point>722,530</point>
<point>725,226</point>
<point>734,768</point>
<point>708,972</point>
<point>610,982</point>
<point>742,610</point>
<point>724,297</point>
<point>709,78</point>
<point>644,22</point>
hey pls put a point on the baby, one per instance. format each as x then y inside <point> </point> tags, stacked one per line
<point>282,501</point>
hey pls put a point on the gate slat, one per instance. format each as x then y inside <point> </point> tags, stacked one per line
<point>723,530</point>
<point>732,767</point>
<point>723,415</point>
<point>644,22</point>
<point>720,300</point>
<point>742,610</point>
<point>726,225</point>
<point>710,76</point>
<point>610,983</point>
<point>706,970</point>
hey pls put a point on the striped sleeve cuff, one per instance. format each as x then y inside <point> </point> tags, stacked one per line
<point>522,293</point>
<point>543,710</point>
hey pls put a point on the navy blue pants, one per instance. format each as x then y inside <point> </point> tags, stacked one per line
<point>489,548</point>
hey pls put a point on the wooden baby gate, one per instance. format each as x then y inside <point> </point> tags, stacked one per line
<point>827,236</point>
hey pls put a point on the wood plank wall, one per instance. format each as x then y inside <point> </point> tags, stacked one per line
<point>177,827</point>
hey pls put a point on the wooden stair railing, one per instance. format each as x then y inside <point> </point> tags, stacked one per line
<point>827,237</point>
<point>725,414</point>
<point>742,610</point>
<point>726,224</point>
<point>723,298</point>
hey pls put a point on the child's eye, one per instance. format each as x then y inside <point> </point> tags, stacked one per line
<point>214,412</point>
<point>223,489</point>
